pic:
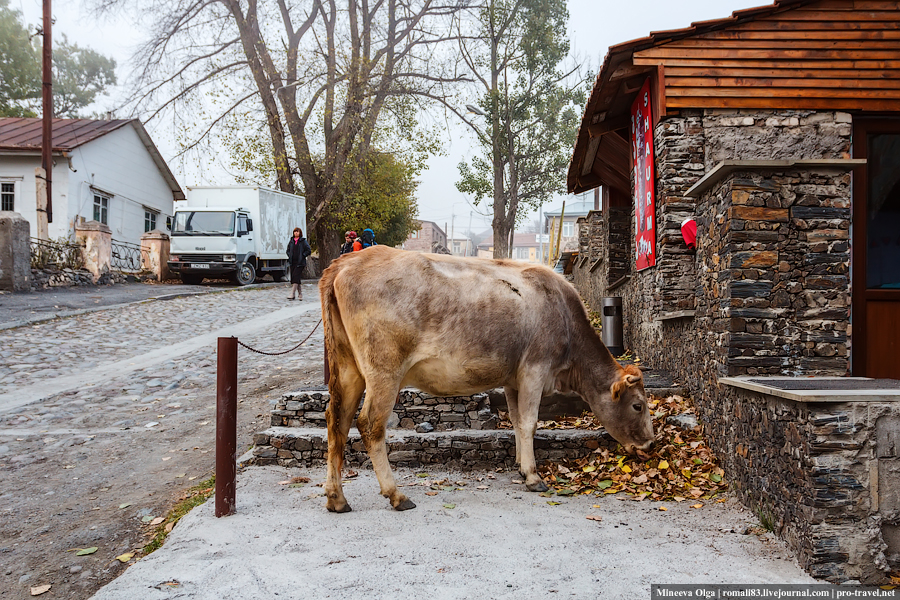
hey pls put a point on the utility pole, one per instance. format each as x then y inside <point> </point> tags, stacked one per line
<point>452,233</point>
<point>469,235</point>
<point>44,175</point>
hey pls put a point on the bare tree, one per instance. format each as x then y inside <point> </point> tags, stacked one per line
<point>323,79</point>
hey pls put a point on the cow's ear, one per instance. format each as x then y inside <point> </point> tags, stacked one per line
<point>617,388</point>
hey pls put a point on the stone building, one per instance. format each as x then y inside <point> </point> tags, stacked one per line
<point>429,238</point>
<point>778,131</point>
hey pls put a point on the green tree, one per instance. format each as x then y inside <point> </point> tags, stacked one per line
<point>20,66</point>
<point>79,74</point>
<point>531,108</point>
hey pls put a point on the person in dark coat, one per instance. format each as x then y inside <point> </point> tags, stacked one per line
<point>297,250</point>
<point>349,238</point>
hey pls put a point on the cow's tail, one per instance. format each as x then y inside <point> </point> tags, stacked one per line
<point>334,328</point>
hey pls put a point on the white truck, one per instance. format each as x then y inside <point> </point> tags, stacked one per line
<point>235,231</point>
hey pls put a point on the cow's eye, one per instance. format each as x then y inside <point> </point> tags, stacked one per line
<point>636,406</point>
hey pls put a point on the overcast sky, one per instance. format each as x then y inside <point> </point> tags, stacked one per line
<point>594,25</point>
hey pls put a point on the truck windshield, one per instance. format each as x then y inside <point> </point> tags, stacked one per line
<point>203,223</point>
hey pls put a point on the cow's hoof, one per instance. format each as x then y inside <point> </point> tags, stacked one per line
<point>338,509</point>
<point>405,505</point>
<point>538,486</point>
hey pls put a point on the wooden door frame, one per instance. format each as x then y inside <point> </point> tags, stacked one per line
<point>859,294</point>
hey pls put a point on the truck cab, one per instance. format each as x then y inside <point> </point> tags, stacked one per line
<point>213,242</point>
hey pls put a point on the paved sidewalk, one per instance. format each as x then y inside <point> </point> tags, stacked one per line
<point>482,536</point>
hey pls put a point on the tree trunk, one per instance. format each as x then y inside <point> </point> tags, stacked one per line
<point>329,242</point>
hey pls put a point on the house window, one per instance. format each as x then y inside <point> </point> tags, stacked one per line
<point>456,247</point>
<point>7,195</point>
<point>414,235</point>
<point>568,229</point>
<point>521,253</point>
<point>101,209</point>
<point>150,220</point>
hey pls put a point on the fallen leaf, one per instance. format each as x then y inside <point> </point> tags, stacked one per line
<point>517,481</point>
<point>86,551</point>
<point>151,424</point>
<point>698,505</point>
<point>481,487</point>
<point>594,518</point>
<point>125,505</point>
<point>204,422</point>
<point>124,558</point>
<point>595,506</point>
<point>180,475</point>
<point>663,465</point>
<point>349,475</point>
<point>553,503</point>
<point>157,521</point>
<point>626,469</point>
<point>449,506</point>
<point>146,518</point>
<point>301,479</point>
<point>565,492</point>
<point>431,493</point>
<point>663,508</point>
<point>548,494</point>
<point>589,469</point>
<point>169,526</point>
<point>192,478</point>
<point>40,589</point>
<point>422,475</point>
<point>167,458</point>
<point>285,482</point>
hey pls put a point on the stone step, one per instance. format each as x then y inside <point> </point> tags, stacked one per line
<point>464,449</point>
<point>419,410</point>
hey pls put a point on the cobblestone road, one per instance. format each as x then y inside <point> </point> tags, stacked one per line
<point>118,407</point>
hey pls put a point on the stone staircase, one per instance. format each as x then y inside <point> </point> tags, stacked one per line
<point>458,431</point>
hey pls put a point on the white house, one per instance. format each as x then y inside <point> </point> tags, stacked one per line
<point>107,171</point>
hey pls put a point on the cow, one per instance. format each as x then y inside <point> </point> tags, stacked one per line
<point>456,326</point>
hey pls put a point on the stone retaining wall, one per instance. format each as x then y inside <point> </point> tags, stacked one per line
<point>47,278</point>
<point>295,447</point>
<point>824,473</point>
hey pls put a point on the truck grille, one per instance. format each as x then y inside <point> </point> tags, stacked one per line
<point>200,257</point>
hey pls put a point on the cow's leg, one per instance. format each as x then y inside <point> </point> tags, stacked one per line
<point>347,387</point>
<point>512,405</point>
<point>529,406</point>
<point>372,424</point>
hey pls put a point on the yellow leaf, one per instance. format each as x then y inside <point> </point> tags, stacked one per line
<point>626,469</point>
<point>594,518</point>
<point>663,465</point>
<point>696,505</point>
<point>687,473</point>
<point>124,558</point>
<point>589,469</point>
<point>663,508</point>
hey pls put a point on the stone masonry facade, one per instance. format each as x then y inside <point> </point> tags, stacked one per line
<point>766,292</point>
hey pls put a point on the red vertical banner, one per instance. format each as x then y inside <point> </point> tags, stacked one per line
<point>644,188</point>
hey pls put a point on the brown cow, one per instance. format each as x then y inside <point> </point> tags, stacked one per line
<point>453,327</point>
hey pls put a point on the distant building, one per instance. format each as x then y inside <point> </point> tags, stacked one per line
<point>461,246</point>
<point>576,207</point>
<point>526,247</point>
<point>429,238</point>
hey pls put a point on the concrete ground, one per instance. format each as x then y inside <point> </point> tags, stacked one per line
<point>482,536</point>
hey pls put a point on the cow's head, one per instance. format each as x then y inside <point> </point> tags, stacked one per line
<point>623,410</point>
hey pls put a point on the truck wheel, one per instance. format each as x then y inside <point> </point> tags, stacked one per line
<point>189,279</point>
<point>246,274</point>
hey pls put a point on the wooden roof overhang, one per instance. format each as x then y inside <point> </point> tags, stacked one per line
<point>792,54</point>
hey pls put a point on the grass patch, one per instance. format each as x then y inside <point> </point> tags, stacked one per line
<point>194,497</point>
<point>766,517</point>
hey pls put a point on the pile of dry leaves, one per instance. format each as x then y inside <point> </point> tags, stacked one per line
<point>679,467</point>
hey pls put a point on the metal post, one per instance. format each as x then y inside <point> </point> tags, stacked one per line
<point>47,107</point>
<point>226,426</point>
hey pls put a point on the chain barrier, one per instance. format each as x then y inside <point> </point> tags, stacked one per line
<point>284,352</point>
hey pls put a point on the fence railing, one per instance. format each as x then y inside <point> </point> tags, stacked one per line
<point>59,254</point>
<point>126,257</point>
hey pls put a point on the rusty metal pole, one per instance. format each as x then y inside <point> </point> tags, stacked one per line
<point>47,107</point>
<point>226,425</point>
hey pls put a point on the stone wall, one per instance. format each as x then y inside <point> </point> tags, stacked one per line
<point>414,410</point>
<point>823,474</point>
<point>15,254</point>
<point>292,447</point>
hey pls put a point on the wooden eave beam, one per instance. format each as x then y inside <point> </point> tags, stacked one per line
<point>614,124</point>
